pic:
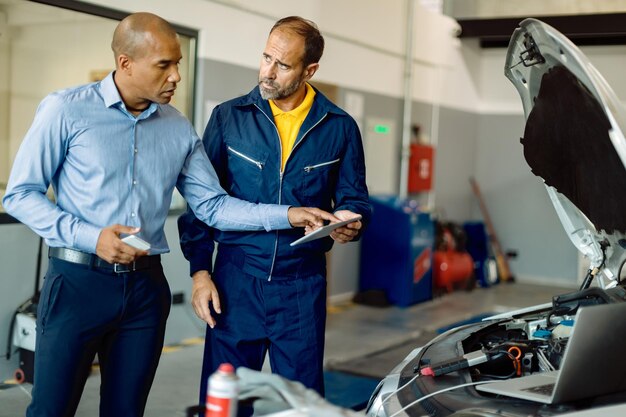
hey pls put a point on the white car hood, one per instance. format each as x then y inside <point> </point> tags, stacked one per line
<point>573,140</point>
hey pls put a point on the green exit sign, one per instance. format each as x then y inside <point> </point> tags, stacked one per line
<point>381,129</point>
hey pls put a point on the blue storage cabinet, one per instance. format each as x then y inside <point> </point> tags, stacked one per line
<point>478,247</point>
<point>396,252</point>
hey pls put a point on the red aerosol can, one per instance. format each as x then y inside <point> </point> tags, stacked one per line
<point>221,396</point>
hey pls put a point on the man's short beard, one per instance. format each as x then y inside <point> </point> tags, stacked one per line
<point>279,93</point>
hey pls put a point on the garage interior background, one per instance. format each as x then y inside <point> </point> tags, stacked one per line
<point>459,95</point>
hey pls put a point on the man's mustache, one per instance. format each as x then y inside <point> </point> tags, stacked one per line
<point>271,83</point>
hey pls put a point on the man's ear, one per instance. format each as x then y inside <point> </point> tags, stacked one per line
<point>124,63</point>
<point>310,70</point>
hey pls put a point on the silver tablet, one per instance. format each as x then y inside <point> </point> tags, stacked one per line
<point>323,231</point>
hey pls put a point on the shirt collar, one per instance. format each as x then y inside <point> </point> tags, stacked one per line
<point>109,91</point>
<point>112,96</point>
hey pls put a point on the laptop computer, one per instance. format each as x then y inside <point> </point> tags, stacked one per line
<point>593,363</point>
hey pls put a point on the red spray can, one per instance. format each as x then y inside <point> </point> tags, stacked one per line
<point>221,396</point>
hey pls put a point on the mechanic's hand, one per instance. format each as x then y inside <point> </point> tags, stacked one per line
<point>111,248</point>
<point>204,292</point>
<point>310,217</point>
<point>349,231</point>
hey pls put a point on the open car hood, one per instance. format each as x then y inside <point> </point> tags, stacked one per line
<point>573,140</point>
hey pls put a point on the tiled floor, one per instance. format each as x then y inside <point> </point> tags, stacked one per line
<point>352,331</point>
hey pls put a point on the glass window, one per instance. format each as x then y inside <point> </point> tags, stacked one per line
<point>44,48</point>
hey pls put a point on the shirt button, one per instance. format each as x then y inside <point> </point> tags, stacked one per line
<point>132,214</point>
<point>136,150</point>
<point>134,182</point>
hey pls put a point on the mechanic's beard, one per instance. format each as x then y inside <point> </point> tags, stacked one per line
<point>278,93</point>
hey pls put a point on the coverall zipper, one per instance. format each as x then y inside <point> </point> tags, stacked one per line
<point>280,183</point>
<point>312,167</point>
<point>246,157</point>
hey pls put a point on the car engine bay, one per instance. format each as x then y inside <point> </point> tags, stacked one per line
<point>533,342</point>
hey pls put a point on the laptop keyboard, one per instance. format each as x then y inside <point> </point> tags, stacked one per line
<point>541,389</point>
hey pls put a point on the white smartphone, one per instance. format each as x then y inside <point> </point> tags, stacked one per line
<point>136,242</point>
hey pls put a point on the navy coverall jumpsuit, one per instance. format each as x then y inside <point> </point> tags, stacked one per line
<point>273,296</point>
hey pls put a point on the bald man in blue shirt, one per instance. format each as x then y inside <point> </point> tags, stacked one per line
<point>113,152</point>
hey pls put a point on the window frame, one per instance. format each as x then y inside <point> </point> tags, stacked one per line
<point>113,14</point>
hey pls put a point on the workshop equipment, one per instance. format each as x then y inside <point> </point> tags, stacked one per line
<point>453,267</point>
<point>24,339</point>
<point>22,330</point>
<point>396,251</point>
<point>421,168</point>
<point>477,245</point>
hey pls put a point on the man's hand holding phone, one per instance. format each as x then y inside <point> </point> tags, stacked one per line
<point>136,242</point>
<point>114,249</point>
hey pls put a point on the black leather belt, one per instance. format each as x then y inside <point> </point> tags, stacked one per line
<point>78,257</point>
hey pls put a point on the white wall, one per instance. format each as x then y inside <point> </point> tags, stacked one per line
<point>498,96</point>
<point>610,62</point>
<point>46,53</point>
<point>41,64</point>
<point>370,32</point>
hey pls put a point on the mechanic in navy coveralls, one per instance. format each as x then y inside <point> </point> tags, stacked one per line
<point>113,151</point>
<point>282,143</point>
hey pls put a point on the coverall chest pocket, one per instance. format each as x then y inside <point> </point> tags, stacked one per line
<point>245,173</point>
<point>319,181</point>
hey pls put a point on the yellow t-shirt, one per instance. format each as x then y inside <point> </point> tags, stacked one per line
<point>288,123</point>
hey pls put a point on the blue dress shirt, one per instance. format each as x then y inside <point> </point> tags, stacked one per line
<point>107,166</point>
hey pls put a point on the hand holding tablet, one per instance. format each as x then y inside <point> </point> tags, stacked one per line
<point>323,231</point>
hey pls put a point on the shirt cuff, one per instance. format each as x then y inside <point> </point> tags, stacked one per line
<point>276,217</point>
<point>87,238</point>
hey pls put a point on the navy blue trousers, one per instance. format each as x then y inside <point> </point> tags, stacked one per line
<point>85,311</point>
<point>284,318</point>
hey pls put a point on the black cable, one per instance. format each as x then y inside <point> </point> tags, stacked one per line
<point>10,338</point>
<point>497,354</point>
<point>490,376</point>
<point>587,280</point>
<point>510,355</point>
<point>592,272</point>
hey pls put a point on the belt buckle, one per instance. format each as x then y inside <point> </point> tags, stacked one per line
<point>122,268</point>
